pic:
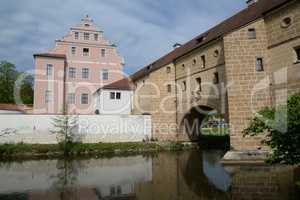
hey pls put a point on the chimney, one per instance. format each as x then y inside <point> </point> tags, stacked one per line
<point>175,46</point>
<point>251,2</point>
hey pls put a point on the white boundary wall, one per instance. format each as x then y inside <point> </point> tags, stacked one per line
<point>36,129</point>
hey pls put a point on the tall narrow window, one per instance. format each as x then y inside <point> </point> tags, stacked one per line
<point>71,98</point>
<point>103,53</point>
<point>86,36</point>
<point>85,73</point>
<point>73,50</point>
<point>96,37</point>
<point>252,33</point>
<point>203,61</point>
<point>48,96</point>
<point>84,99</point>
<point>183,66</point>
<point>49,70</point>
<point>112,95</point>
<point>105,75</point>
<point>183,86</point>
<point>259,64</point>
<point>194,61</point>
<point>76,35</point>
<point>169,88</point>
<point>72,72</point>
<point>168,70</point>
<point>297,51</point>
<point>86,51</point>
<point>199,84</point>
<point>118,95</point>
<point>216,78</point>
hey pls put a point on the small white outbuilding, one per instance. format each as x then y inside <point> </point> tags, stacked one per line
<point>114,99</point>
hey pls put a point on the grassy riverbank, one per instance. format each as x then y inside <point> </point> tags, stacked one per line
<point>23,151</point>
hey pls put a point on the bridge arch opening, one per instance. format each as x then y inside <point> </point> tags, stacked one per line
<point>200,120</point>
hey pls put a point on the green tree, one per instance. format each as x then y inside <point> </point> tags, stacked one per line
<point>26,91</point>
<point>283,127</point>
<point>8,76</point>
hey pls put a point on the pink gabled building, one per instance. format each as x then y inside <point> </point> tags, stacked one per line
<point>80,64</point>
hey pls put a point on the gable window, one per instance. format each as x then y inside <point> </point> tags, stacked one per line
<point>72,72</point>
<point>49,70</point>
<point>84,99</point>
<point>199,84</point>
<point>168,70</point>
<point>183,86</point>
<point>48,96</point>
<point>297,51</point>
<point>86,51</point>
<point>86,36</point>
<point>76,35</point>
<point>73,50</point>
<point>118,95</point>
<point>105,74</point>
<point>203,61</point>
<point>85,73</point>
<point>259,64</point>
<point>216,78</point>
<point>71,98</point>
<point>252,33</point>
<point>96,36</point>
<point>112,95</point>
<point>169,88</point>
<point>103,53</point>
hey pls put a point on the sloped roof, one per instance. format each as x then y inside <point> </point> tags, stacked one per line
<point>244,17</point>
<point>123,84</point>
<point>50,55</point>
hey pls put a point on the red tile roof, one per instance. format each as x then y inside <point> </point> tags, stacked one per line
<point>246,16</point>
<point>123,84</point>
<point>50,55</point>
<point>15,107</point>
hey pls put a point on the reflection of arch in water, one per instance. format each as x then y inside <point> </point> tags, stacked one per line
<point>191,168</point>
<point>192,121</point>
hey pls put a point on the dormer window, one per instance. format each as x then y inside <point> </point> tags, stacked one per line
<point>86,36</point>
<point>76,35</point>
<point>252,33</point>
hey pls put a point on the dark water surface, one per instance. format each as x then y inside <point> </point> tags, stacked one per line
<point>167,176</point>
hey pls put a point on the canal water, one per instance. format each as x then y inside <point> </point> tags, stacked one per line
<point>166,176</point>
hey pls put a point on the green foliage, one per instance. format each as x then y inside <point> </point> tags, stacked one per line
<point>8,77</point>
<point>283,127</point>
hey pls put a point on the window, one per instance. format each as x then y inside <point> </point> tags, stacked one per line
<point>96,36</point>
<point>85,73</point>
<point>168,70</point>
<point>252,33</point>
<point>199,83</point>
<point>118,95</point>
<point>216,78</point>
<point>183,66</point>
<point>84,99</point>
<point>76,35</point>
<point>86,25</point>
<point>203,61</point>
<point>71,98</point>
<point>286,22</point>
<point>48,96</point>
<point>297,51</point>
<point>86,51</point>
<point>72,72</point>
<point>103,52</point>
<point>73,50</point>
<point>105,74</point>
<point>216,53</point>
<point>49,70</point>
<point>112,95</point>
<point>86,36</point>
<point>183,86</point>
<point>259,64</point>
<point>169,88</point>
<point>194,62</point>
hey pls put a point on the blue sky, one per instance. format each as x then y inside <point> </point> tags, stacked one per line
<point>144,30</point>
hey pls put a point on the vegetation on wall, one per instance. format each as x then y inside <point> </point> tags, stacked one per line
<point>282,125</point>
<point>8,77</point>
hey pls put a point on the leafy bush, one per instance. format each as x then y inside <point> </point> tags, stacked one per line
<point>283,127</point>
